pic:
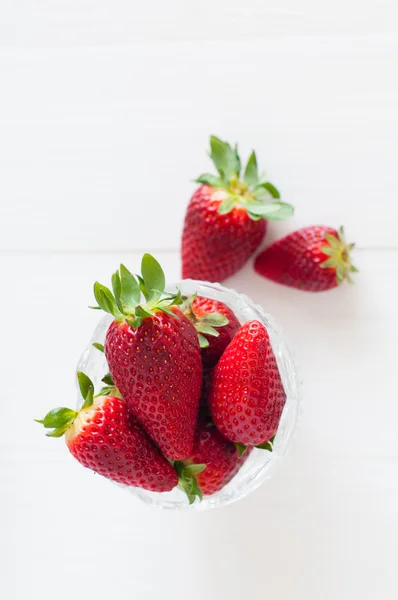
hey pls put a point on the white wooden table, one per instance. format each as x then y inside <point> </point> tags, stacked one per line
<point>105,111</point>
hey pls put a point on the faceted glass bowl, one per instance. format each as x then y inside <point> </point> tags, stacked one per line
<point>261,463</point>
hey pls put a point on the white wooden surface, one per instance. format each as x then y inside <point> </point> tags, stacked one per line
<point>105,110</point>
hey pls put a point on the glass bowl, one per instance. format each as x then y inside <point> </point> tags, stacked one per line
<point>261,463</point>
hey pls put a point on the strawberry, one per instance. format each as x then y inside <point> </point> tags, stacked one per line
<point>206,315</point>
<point>153,356</point>
<point>247,396</point>
<point>225,219</point>
<point>314,258</point>
<point>105,438</point>
<point>214,462</point>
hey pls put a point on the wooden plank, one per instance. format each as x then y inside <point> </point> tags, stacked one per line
<point>99,147</point>
<point>323,527</point>
<point>344,341</point>
<point>74,22</point>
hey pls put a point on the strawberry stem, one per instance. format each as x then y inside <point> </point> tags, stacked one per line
<point>204,324</point>
<point>338,256</point>
<point>124,301</point>
<point>60,419</point>
<point>187,480</point>
<point>251,192</point>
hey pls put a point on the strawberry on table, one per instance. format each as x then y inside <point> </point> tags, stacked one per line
<point>247,395</point>
<point>153,355</point>
<point>215,323</point>
<point>314,258</point>
<point>214,462</point>
<point>105,438</point>
<point>226,218</point>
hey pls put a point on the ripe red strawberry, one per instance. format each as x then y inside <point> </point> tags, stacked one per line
<point>215,323</point>
<point>105,438</point>
<point>247,396</point>
<point>214,462</point>
<point>225,219</point>
<point>153,356</point>
<point>314,258</point>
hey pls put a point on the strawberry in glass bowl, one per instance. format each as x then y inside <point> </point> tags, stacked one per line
<point>190,394</point>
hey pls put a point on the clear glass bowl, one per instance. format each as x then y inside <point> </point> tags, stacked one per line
<point>261,463</point>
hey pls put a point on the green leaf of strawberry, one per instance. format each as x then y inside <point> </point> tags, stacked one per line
<point>194,469</point>
<point>203,342</point>
<point>271,189</point>
<point>86,388</point>
<point>85,384</point>
<point>241,448</point>
<point>265,446</point>
<point>215,320</point>
<point>57,417</point>
<point>251,172</point>
<point>60,419</point>
<point>124,302</point>
<point>108,379</point>
<point>99,347</point>
<point>206,329</point>
<point>130,293</point>
<point>105,299</point>
<point>211,180</point>
<point>205,323</point>
<point>275,211</point>
<point>89,398</point>
<point>153,276</point>
<point>227,205</point>
<point>117,289</point>
<point>187,479</point>
<point>224,158</point>
<point>237,160</point>
<point>169,312</point>
<point>141,312</point>
<point>143,288</point>
<point>107,390</point>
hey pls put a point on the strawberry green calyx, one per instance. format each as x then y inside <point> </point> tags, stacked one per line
<point>339,259</point>
<point>99,347</point>
<point>241,448</point>
<point>267,445</point>
<point>109,388</point>
<point>60,419</point>
<point>204,324</point>
<point>124,301</point>
<point>187,481</point>
<point>249,191</point>
<point>107,379</point>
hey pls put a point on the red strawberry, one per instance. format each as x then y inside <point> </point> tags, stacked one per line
<point>314,258</point>
<point>247,396</point>
<point>214,462</point>
<point>224,223</point>
<point>103,437</point>
<point>154,357</point>
<point>215,323</point>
